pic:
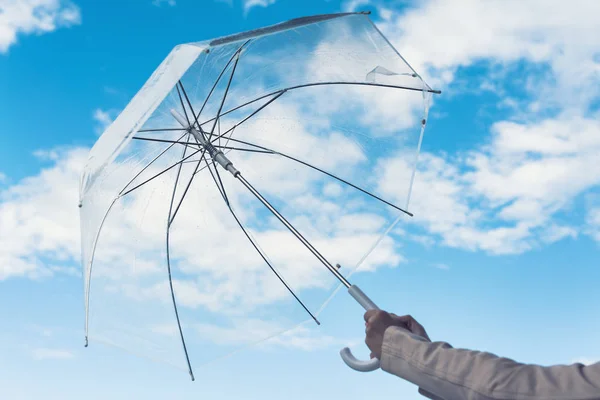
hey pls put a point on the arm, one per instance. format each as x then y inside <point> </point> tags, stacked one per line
<point>442,372</point>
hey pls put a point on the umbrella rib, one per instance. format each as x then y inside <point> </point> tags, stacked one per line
<point>161,130</point>
<point>151,162</point>
<point>218,79</point>
<point>187,144</point>
<point>91,264</point>
<point>160,173</point>
<point>321,84</point>
<point>169,265</point>
<point>270,151</point>
<point>223,192</point>
<point>186,188</point>
<point>271,266</point>
<point>220,181</point>
<point>191,108</point>
<point>221,188</point>
<point>292,229</point>
<point>237,59</point>
<point>181,101</point>
<point>247,150</point>
<point>278,95</point>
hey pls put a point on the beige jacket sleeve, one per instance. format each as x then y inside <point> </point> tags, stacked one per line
<point>444,373</point>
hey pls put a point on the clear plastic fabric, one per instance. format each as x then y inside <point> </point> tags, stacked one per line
<point>298,103</point>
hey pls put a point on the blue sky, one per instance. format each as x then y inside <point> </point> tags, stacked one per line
<point>501,254</point>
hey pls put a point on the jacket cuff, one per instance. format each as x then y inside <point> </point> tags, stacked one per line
<point>395,343</point>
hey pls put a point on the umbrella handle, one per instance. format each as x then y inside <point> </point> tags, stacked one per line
<point>349,359</point>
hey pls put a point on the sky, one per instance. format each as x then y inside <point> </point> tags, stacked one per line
<point>500,256</point>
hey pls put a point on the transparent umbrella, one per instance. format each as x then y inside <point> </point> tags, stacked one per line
<point>243,185</point>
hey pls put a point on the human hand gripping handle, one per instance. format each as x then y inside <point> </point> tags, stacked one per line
<point>349,359</point>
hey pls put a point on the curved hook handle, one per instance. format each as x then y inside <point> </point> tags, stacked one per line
<point>349,359</point>
<point>358,365</point>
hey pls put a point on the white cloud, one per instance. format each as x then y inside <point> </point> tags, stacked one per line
<point>555,233</point>
<point>39,219</point>
<point>440,36</point>
<point>502,197</point>
<point>226,276</point>
<point>2,177</point>
<point>103,118</point>
<point>26,17</point>
<point>593,223</point>
<point>43,353</point>
<point>216,270</point>
<point>354,5</point>
<point>250,4</point>
<point>158,3</point>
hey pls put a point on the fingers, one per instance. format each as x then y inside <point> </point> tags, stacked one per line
<point>370,314</point>
<point>407,319</point>
<point>413,326</point>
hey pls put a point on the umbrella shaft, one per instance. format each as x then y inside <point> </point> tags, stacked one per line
<point>284,221</point>
<point>218,156</point>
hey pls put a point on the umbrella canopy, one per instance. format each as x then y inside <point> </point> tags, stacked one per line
<point>215,208</point>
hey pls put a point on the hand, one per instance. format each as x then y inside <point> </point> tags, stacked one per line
<point>411,324</point>
<point>378,321</point>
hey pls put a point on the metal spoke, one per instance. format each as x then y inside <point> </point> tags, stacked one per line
<point>294,231</point>
<point>224,96</point>
<point>160,173</point>
<point>150,163</point>
<point>187,99</point>
<point>248,150</point>
<point>321,84</point>
<point>187,144</point>
<point>161,130</point>
<point>220,182</point>
<point>172,218</point>
<point>218,79</point>
<point>271,267</point>
<point>181,101</point>
<point>169,266</point>
<point>252,114</point>
<point>270,151</point>
<point>221,190</point>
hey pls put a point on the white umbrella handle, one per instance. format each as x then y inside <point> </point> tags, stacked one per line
<point>349,359</point>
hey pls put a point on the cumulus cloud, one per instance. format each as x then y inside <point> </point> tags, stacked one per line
<point>593,223</point>
<point>103,119</point>
<point>250,4</point>
<point>27,17</point>
<point>354,5</point>
<point>39,229</point>
<point>441,36</point>
<point>502,196</point>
